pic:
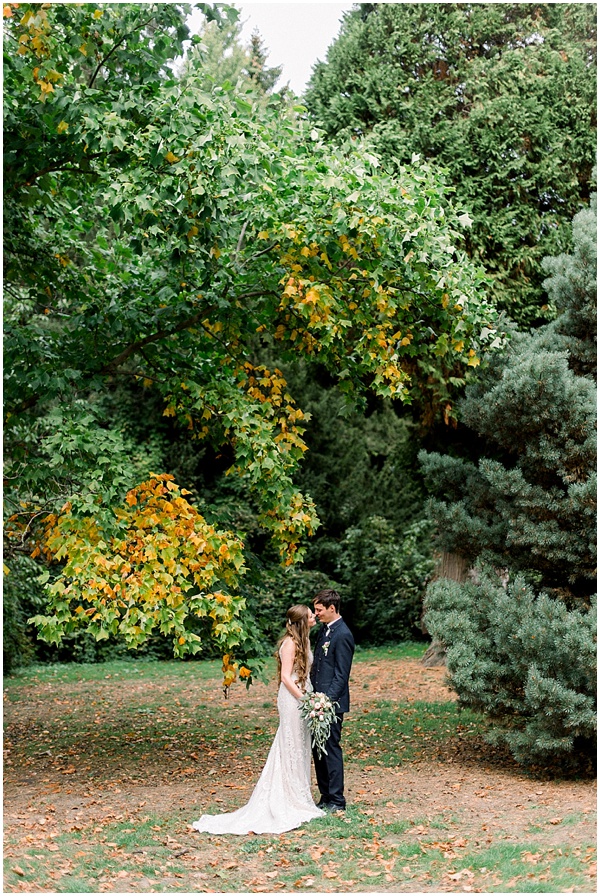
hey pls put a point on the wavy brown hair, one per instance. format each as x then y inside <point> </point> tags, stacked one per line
<point>296,628</point>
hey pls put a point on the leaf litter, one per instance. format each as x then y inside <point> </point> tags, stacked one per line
<point>103,778</point>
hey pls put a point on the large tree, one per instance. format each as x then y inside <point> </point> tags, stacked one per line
<point>521,638</point>
<point>501,95</point>
<point>167,235</point>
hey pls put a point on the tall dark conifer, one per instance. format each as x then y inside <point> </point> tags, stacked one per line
<point>501,95</point>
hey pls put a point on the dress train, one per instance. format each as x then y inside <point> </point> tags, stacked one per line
<point>281,799</point>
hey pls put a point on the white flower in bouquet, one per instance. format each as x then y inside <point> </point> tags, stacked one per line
<point>319,712</point>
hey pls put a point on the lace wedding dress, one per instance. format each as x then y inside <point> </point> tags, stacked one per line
<point>281,799</point>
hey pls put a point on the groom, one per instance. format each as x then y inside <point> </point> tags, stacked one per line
<point>329,674</point>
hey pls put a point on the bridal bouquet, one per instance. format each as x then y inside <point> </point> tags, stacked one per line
<point>319,712</point>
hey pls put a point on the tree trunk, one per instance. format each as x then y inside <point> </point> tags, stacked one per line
<point>447,566</point>
<point>435,655</point>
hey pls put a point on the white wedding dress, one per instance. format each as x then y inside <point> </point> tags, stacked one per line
<point>282,799</point>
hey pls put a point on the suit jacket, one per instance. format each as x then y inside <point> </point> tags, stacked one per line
<point>331,666</point>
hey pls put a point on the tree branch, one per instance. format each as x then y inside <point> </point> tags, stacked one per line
<point>115,47</point>
<point>111,366</point>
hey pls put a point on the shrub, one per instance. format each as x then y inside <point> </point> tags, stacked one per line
<point>386,574</point>
<point>525,660</point>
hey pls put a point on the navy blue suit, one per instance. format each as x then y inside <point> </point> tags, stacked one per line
<point>329,674</point>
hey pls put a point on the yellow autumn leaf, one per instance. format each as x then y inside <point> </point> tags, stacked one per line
<point>98,13</point>
<point>170,157</point>
<point>263,235</point>
<point>62,127</point>
<point>474,361</point>
<point>459,346</point>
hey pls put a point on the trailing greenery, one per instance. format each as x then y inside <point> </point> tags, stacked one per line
<point>501,95</point>
<point>526,509</point>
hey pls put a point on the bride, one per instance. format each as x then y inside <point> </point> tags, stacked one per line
<point>281,799</point>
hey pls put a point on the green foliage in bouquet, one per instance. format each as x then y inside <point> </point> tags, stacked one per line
<point>319,713</point>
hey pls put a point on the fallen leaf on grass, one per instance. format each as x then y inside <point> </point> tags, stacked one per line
<point>555,820</point>
<point>18,870</point>
<point>460,874</point>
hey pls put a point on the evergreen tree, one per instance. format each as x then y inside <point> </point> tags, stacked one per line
<point>361,472</point>
<point>527,662</point>
<point>525,654</point>
<point>220,56</point>
<point>218,52</point>
<point>502,95</point>
<point>264,78</point>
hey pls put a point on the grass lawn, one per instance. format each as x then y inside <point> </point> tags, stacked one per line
<point>107,766</point>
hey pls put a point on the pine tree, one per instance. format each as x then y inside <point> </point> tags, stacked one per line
<point>525,654</point>
<point>219,53</point>
<point>222,57</point>
<point>256,68</point>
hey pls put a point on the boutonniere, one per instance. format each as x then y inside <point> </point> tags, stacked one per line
<point>325,647</point>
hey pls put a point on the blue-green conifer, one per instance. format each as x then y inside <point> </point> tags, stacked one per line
<point>520,637</point>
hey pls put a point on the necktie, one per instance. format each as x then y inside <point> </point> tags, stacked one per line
<point>327,632</point>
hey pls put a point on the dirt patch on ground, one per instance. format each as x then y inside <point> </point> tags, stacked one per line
<point>78,759</point>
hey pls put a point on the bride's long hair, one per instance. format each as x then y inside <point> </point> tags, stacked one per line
<point>296,628</point>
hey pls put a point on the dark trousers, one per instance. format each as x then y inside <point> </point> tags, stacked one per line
<point>330,768</point>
